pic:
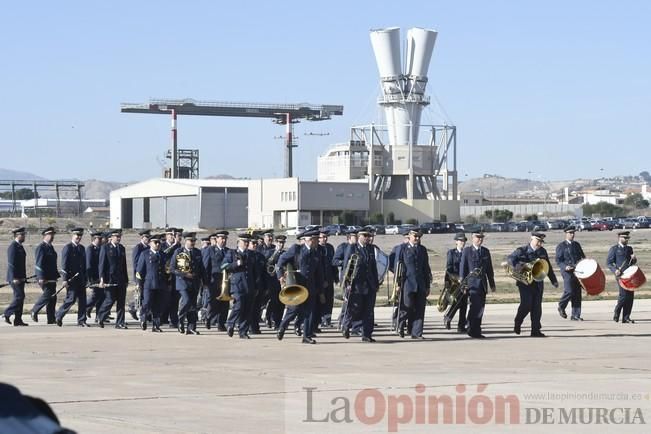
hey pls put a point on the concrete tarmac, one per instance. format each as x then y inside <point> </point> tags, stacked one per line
<point>591,375</point>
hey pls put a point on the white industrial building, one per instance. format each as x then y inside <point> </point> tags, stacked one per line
<point>230,203</point>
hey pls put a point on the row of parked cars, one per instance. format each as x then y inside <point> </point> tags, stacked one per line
<point>584,224</point>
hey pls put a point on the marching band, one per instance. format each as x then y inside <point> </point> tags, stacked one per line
<point>181,285</point>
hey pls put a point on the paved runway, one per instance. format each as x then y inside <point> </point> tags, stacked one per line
<point>593,374</point>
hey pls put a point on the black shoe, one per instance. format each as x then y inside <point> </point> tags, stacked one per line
<point>181,328</point>
<point>280,334</point>
<point>346,333</point>
<point>298,332</point>
<point>83,324</point>
<point>7,320</point>
<point>318,330</point>
<point>537,335</point>
<point>221,328</point>
<point>143,325</point>
<point>307,340</point>
<point>576,318</point>
<point>418,337</point>
<point>121,326</point>
<point>268,324</point>
<point>462,329</point>
<point>33,316</point>
<point>101,324</point>
<point>401,331</point>
<point>190,331</point>
<point>370,340</point>
<point>20,324</point>
<point>51,321</point>
<point>516,329</point>
<point>476,336</point>
<point>230,332</point>
<point>562,313</point>
<point>88,312</point>
<point>245,336</point>
<point>448,323</point>
<point>110,318</point>
<point>133,314</point>
<point>59,322</point>
<point>616,318</point>
<point>627,320</point>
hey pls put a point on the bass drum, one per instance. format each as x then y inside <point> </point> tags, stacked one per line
<point>591,276</point>
<point>632,278</point>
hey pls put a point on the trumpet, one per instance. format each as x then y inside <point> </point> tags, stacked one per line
<point>528,272</point>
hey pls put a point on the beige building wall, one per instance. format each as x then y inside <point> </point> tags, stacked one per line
<point>421,209</point>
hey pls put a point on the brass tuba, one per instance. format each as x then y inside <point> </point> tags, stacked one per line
<point>449,292</point>
<point>225,295</point>
<point>183,262</point>
<point>350,272</point>
<point>528,272</point>
<point>292,294</point>
<point>398,278</point>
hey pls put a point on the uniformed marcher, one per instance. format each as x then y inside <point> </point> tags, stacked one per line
<point>241,266</point>
<point>395,257</point>
<point>275,309</point>
<point>308,268</point>
<point>207,243</point>
<point>188,283</point>
<point>170,298</point>
<point>620,257</point>
<point>73,267</point>
<point>568,254</point>
<point>361,302</point>
<point>217,311</point>
<point>452,263</point>
<point>340,260</point>
<point>142,246</point>
<point>267,249</point>
<point>150,273</point>
<point>47,274</point>
<point>531,295</point>
<point>96,297</point>
<point>330,278</point>
<point>113,272</point>
<point>258,296</point>
<point>415,286</point>
<point>16,277</point>
<point>477,266</point>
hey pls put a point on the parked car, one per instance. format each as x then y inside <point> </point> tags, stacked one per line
<point>295,231</point>
<point>404,228</point>
<point>536,225</point>
<point>354,228</point>
<point>599,226</point>
<point>473,228</point>
<point>515,226</point>
<point>557,224</point>
<point>497,227</point>
<point>434,228</point>
<point>391,230</point>
<point>628,223</point>
<point>584,225</point>
<point>379,229</point>
<point>336,229</point>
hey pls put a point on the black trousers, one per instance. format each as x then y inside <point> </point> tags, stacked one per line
<point>151,303</point>
<point>530,303</point>
<point>326,309</point>
<point>17,302</point>
<point>462,307</point>
<point>216,311</point>
<point>275,308</point>
<point>238,316</point>
<point>114,295</point>
<point>477,298</point>
<point>624,302</point>
<point>361,309</point>
<point>302,313</point>
<point>571,293</point>
<point>412,310</point>
<point>188,307</point>
<point>254,310</point>
<point>47,300</point>
<point>95,300</point>
<point>74,294</point>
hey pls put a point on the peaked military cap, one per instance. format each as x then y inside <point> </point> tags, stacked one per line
<point>77,231</point>
<point>460,236</point>
<point>478,234</point>
<point>625,234</point>
<point>220,234</point>
<point>244,237</point>
<point>18,231</point>
<point>282,238</point>
<point>145,233</point>
<point>190,235</point>
<point>310,234</point>
<point>178,230</point>
<point>96,234</point>
<point>170,230</point>
<point>569,229</point>
<point>539,236</point>
<point>48,230</point>
<point>115,232</point>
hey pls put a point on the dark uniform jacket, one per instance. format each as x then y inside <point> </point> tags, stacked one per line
<point>330,272</point>
<point>568,255</point>
<point>135,255</point>
<point>339,256</point>
<point>619,257</point>
<point>307,263</point>
<point>471,259</point>
<point>366,278</point>
<point>453,261</point>
<point>113,264</point>
<point>418,275</point>
<point>196,268</point>
<point>243,276</point>
<point>73,261</point>
<point>16,261</point>
<point>527,254</point>
<point>92,263</point>
<point>46,262</point>
<point>151,270</point>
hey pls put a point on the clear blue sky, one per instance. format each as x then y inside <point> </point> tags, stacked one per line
<point>557,88</point>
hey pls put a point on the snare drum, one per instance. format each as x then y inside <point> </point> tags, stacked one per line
<point>591,276</point>
<point>632,278</point>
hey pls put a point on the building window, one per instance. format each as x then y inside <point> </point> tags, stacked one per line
<point>476,201</point>
<point>465,201</point>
